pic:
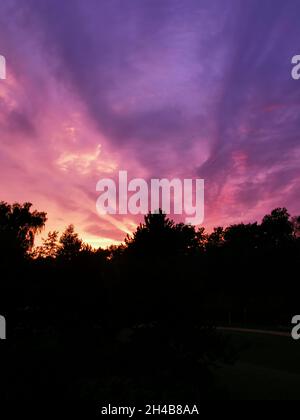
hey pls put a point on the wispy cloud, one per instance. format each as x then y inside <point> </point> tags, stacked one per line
<point>167,88</point>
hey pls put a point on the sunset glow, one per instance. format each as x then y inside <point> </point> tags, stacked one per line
<point>168,89</point>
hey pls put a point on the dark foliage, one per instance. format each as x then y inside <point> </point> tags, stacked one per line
<point>136,322</point>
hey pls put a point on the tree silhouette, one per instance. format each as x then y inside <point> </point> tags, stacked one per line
<point>277,228</point>
<point>69,244</point>
<point>49,247</point>
<point>18,226</point>
<point>161,237</point>
<point>242,237</point>
<point>216,238</point>
<point>296,226</point>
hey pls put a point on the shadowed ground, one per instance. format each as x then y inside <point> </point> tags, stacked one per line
<point>268,368</point>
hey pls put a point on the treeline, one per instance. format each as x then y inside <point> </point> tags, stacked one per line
<point>136,321</point>
<point>239,274</point>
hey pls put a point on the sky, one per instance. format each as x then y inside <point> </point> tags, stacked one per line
<point>160,88</point>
